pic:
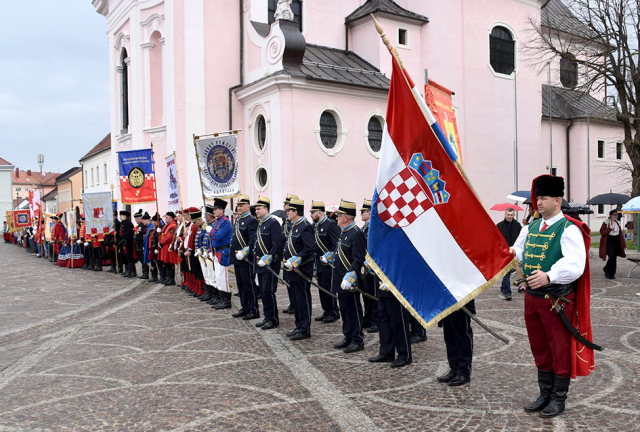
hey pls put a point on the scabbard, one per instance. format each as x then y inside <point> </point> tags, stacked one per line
<point>574,331</point>
<point>308,279</point>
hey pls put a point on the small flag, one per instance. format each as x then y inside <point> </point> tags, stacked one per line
<point>137,178</point>
<point>21,218</point>
<point>218,161</point>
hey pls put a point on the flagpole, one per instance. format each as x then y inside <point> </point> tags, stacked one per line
<point>195,145</point>
<point>155,189</point>
<point>115,233</point>
<point>395,54</point>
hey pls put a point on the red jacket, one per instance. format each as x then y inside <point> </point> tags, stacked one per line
<point>604,231</point>
<point>166,238</point>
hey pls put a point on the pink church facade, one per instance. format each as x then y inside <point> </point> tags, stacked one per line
<point>310,95</point>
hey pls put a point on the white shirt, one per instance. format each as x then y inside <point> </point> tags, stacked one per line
<point>615,228</point>
<point>571,266</point>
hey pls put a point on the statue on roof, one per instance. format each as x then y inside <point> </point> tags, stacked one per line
<point>283,11</point>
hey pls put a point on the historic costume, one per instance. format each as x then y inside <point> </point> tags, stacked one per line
<point>168,258</point>
<point>221,232</point>
<point>326,233</point>
<point>370,317</point>
<point>286,227</point>
<point>556,246</point>
<point>242,242</point>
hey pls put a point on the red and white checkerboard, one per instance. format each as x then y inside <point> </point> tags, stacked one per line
<point>402,200</point>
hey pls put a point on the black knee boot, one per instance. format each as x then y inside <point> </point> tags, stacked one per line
<point>163,274</point>
<point>545,381</point>
<point>154,274</point>
<point>215,297</point>
<point>558,396</point>
<point>207,294</point>
<point>145,271</point>
<point>225,302</point>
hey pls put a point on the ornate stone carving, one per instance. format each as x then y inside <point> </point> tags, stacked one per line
<point>275,49</point>
<point>283,10</point>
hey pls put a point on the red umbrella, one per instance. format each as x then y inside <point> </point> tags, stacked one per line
<point>503,207</point>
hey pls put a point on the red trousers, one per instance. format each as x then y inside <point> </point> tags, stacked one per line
<point>549,339</point>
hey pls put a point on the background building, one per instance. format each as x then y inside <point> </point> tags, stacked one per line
<point>310,94</point>
<point>69,186</point>
<point>6,189</point>
<point>96,168</point>
<point>24,181</point>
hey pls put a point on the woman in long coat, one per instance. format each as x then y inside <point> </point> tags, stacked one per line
<point>612,244</point>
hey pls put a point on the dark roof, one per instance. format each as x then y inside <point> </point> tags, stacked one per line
<point>4,162</point>
<point>51,195</point>
<point>343,67</point>
<point>557,16</point>
<point>65,175</point>
<point>103,145</point>
<point>573,104</point>
<point>385,6</point>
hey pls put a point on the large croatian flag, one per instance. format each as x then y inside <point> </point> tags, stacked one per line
<point>430,239</point>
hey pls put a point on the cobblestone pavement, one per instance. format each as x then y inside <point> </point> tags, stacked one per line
<point>92,351</point>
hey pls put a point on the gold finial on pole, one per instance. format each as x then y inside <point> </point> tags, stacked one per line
<point>386,41</point>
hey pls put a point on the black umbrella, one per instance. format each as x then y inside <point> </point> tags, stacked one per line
<point>280,213</point>
<point>577,208</point>
<point>565,204</point>
<point>609,199</point>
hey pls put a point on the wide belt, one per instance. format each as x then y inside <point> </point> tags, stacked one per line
<point>221,248</point>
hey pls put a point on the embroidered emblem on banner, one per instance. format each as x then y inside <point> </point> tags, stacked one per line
<point>410,193</point>
<point>220,164</point>
<point>136,178</point>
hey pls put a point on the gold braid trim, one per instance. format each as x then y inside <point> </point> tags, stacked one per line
<point>428,325</point>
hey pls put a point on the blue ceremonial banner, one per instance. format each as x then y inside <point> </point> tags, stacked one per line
<point>218,161</point>
<point>137,178</point>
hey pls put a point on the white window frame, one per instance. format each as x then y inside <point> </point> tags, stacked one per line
<point>342,129</point>
<point>259,110</point>
<point>622,150</point>
<point>256,183</point>
<point>515,50</point>
<point>93,183</point>
<point>106,173</point>
<point>407,38</point>
<point>97,174</point>
<point>598,210</point>
<point>379,115</point>
<point>604,148</point>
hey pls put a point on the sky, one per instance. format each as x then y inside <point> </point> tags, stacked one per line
<point>54,82</point>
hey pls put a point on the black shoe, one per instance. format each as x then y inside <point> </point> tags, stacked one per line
<point>162,280</point>
<point>330,319</point>
<point>269,325</point>
<point>224,304</point>
<point>251,317</point>
<point>417,339</point>
<point>292,333</point>
<point>340,345</point>
<point>300,336</point>
<point>353,348</point>
<point>236,294</point>
<point>373,329</point>
<point>111,270</point>
<point>321,317</point>
<point>153,280</point>
<point>206,297</point>
<point>459,380</point>
<point>288,310</point>
<point>170,282</point>
<point>446,378</point>
<point>545,382</point>
<point>126,274</point>
<point>97,269</point>
<point>380,359</point>
<point>261,323</point>
<point>240,313</point>
<point>144,276</point>
<point>507,297</point>
<point>400,363</point>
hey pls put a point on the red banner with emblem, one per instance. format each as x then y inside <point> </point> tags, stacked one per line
<point>21,218</point>
<point>440,103</point>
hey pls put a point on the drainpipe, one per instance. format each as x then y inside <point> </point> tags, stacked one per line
<point>346,37</point>
<point>569,162</point>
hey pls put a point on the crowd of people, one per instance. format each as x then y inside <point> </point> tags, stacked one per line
<point>266,251</point>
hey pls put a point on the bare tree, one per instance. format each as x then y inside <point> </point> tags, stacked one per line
<point>603,36</point>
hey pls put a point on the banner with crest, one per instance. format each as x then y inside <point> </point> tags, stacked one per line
<point>98,213</point>
<point>218,161</point>
<point>137,177</point>
<point>173,188</point>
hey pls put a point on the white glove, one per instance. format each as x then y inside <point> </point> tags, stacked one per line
<point>86,244</point>
<point>159,230</point>
<point>198,253</point>
<point>323,260</point>
<point>345,285</point>
<point>78,241</point>
<point>155,251</point>
<point>256,278</point>
<point>205,255</point>
<point>384,287</point>
<point>208,229</point>
<point>288,265</point>
<point>239,256</point>
<point>261,263</point>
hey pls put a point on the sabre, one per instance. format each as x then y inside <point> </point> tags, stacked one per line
<point>484,326</point>
<point>307,279</point>
<point>284,282</point>
<point>356,288</point>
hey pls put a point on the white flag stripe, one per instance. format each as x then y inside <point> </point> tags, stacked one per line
<point>393,163</point>
<point>449,266</point>
<point>425,108</point>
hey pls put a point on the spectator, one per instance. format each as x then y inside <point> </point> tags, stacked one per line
<point>510,229</point>
<point>612,244</point>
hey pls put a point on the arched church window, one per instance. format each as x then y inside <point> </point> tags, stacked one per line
<point>502,50</point>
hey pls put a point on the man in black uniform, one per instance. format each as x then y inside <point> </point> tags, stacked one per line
<point>370,321</point>
<point>326,233</point>
<point>242,241</point>
<point>286,226</point>
<point>393,322</point>
<point>348,259</point>
<point>125,241</point>
<point>267,252</point>
<point>140,235</point>
<point>458,337</point>
<point>298,257</point>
